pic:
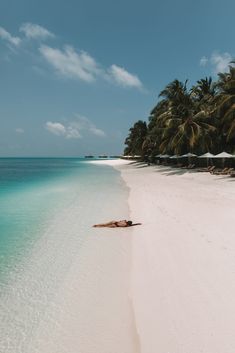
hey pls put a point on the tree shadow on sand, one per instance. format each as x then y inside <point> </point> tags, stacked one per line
<point>174,170</point>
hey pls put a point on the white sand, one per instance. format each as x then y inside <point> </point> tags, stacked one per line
<point>111,162</point>
<point>183,259</point>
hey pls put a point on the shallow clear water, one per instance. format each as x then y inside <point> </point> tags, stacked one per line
<point>47,208</point>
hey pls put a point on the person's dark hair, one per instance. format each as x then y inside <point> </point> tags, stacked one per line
<point>129,223</point>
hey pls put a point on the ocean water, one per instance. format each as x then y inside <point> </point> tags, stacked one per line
<point>48,248</point>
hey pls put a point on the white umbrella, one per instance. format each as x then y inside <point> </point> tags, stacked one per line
<point>223,155</point>
<point>174,157</point>
<point>207,155</point>
<point>188,155</point>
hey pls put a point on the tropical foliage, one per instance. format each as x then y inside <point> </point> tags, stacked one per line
<point>136,138</point>
<point>196,120</point>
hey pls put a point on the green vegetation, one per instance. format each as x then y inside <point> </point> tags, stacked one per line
<point>195,120</point>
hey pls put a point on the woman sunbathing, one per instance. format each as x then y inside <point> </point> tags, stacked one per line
<point>116,224</point>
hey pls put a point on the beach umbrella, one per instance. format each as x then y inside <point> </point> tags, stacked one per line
<point>157,158</point>
<point>175,157</point>
<point>164,156</point>
<point>223,156</point>
<point>207,155</point>
<point>189,155</point>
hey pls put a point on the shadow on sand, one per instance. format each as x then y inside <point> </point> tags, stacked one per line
<point>173,170</point>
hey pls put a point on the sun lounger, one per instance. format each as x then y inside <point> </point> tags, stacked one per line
<point>230,170</point>
<point>191,166</point>
<point>208,169</point>
<point>225,171</point>
<point>219,171</point>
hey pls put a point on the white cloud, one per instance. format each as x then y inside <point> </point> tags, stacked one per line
<point>80,65</point>
<point>203,61</point>
<point>218,62</point>
<point>56,128</point>
<point>9,38</point>
<point>123,77</point>
<point>73,129</point>
<point>97,132</point>
<point>221,62</point>
<point>35,31</point>
<point>71,64</point>
<point>84,123</point>
<point>19,130</point>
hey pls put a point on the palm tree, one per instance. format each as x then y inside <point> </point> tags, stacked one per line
<point>193,131</point>
<point>161,125</point>
<point>173,90</point>
<point>153,136</point>
<point>136,138</point>
<point>204,90</point>
<point>203,94</point>
<point>225,106</point>
<point>198,120</point>
<point>179,123</point>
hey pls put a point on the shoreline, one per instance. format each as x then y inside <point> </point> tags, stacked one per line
<point>183,265</point>
<point>71,292</point>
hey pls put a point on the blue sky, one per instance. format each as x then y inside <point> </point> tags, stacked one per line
<point>76,74</point>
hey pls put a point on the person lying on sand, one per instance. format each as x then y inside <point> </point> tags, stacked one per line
<point>116,224</point>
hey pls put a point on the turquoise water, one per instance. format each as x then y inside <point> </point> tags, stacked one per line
<point>23,203</point>
<point>33,191</point>
<point>47,208</point>
<point>29,194</point>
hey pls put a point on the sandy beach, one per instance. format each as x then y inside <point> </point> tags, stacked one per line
<point>183,259</point>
